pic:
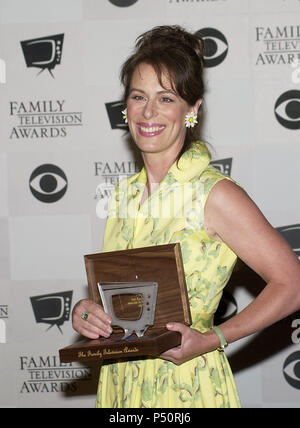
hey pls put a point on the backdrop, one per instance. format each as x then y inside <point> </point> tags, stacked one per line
<point>64,146</point>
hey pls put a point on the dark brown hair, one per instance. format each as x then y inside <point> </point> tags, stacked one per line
<point>175,51</point>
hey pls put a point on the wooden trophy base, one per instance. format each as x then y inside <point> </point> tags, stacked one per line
<point>115,348</point>
<point>159,264</point>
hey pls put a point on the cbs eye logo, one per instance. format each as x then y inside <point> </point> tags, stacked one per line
<point>287,109</point>
<point>48,183</point>
<point>215,46</point>
<point>291,369</point>
<point>123,3</point>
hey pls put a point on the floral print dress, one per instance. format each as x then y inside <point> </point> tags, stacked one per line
<point>173,213</point>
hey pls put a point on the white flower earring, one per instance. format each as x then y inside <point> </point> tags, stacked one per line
<point>124,112</point>
<point>190,120</point>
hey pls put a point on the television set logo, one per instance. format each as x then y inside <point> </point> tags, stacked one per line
<point>123,3</point>
<point>287,109</point>
<point>292,235</point>
<point>114,111</point>
<point>48,183</point>
<point>44,52</point>
<point>52,309</point>
<point>223,165</point>
<point>215,46</point>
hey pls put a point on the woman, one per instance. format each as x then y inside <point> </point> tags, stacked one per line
<point>163,95</point>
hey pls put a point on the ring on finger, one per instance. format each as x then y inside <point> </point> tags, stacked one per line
<point>84,316</point>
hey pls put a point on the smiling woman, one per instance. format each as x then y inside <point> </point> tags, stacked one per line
<point>176,57</point>
<point>154,113</point>
<point>163,95</point>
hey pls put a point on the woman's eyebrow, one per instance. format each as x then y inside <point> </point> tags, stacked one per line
<point>166,91</point>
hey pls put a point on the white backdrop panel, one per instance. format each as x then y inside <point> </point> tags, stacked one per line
<point>63,117</point>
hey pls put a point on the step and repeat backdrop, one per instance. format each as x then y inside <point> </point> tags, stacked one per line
<point>63,146</point>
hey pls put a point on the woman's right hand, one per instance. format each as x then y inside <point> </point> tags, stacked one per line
<point>97,322</point>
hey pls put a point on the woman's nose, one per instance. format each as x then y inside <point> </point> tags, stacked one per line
<point>149,110</point>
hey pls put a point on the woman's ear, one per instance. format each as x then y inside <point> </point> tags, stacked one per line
<point>197,105</point>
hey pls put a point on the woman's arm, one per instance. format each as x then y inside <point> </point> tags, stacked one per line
<point>234,217</point>
<point>231,216</point>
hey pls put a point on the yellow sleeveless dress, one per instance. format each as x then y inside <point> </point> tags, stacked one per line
<point>173,213</point>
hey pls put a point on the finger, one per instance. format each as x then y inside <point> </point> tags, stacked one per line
<point>85,328</point>
<point>176,326</point>
<point>90,306</point>
<point>98,311</point>
<point>92,324</point>
<point>97,324</point>
<point>90,330</point>
<point>94,312</point>
<point>171,355</point>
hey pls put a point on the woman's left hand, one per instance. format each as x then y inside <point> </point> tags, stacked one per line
<point>193,344</point>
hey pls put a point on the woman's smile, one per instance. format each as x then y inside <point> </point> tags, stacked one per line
<point>150,129</point>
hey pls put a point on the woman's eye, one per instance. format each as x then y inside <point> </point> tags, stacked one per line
<point>167,100</point>
<point>137,97</point>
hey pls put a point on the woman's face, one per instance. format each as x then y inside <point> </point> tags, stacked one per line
<point>156,114</point>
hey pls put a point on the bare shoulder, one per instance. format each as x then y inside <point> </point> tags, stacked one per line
<point>227,191</point>
<point>225,199</point>
<point>233,217</point>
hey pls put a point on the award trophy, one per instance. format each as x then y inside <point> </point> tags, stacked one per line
<point>142,290</point>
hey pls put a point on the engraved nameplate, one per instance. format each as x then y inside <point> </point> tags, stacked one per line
<point>131,305</point>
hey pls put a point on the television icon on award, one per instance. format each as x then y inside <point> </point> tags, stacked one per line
<point>44,52</point>
<point>130,305</point>
<point>53,309</point>
<point>223,165</point>
<point>114,111</point>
